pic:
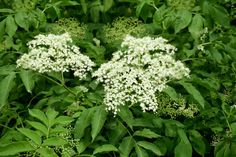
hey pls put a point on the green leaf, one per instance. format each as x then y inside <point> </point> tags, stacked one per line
<point>58,129</point>
<point>5,10</point>
<point>140,151</point>
<point>141,5</point>
<point>98,121</point>
<point>7,69</point>
<point>219,14</point>
<point>84,6</point>
<point>6,85</point>
<point>83,122</point>
<point>11,26</point>
<point>57,10</point>
<point>107,4</point>
<point>105,148</point>
<point>2,29</point>
<point>51,115</point>
<point>197,142</point>
<point>146,133</point>
<point>194,92</point>
<point>54,141</point>
<point>169,20</point>
<point>141,122</point>
<point>184,148</point>
<point>171,92</point>
<point>126,146</point>
<point>150,146</point>
<point>27,78</point>
<point>15,148</point>
<point>39,115</point>
<point>31,135</point>
<point>216,55</point>
<point>39,126</point>
<point>95,11</point>
<point>21,19</point>
<point>223,149</point>
<point>183,19</point>
<point>45,152</point>
<point>65,120</point>
<point>82,145</point>
<point>233,128</point>
<point>232,148</point>
<point>117,132</point>
<point>126,115</point>
<point>70,3</point>
<point>196,26</point>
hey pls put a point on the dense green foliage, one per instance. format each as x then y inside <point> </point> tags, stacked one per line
<point>57,114</point>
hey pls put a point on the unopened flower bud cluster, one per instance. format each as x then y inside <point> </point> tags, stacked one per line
<point>120,27</point>
<point>138,71</point>
<point>55,53</point>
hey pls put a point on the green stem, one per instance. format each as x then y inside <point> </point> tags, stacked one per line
<point>49,78</point>
<point>62,78</point>
<point>226,118</point>
<point>154,6</point>
<point>125,128</point>
<point>64,85</point>
<point>33,99</point>
<point>86,155</point>
<point>128,132</point>
<point>6,126</point>
<point>60,84</point>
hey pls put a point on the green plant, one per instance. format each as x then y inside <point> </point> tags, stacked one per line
<point>46,137</point>
<point>203,122</point>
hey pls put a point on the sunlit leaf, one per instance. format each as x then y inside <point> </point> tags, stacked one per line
<point>15,148</point>
<point>31,135</point>
<point>54,141</point>
<point>65,120</point>
<point>39,115</point>
<point>105,148</point>
<point>47,152</point>
<point>51,115</point>
<point>39,126</point>
<point>140,151</point>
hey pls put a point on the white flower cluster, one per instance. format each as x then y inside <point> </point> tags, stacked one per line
<point>55,53</point>
<point>137,72</point>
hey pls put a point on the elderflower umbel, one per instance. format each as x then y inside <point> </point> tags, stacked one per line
<point>138,71</point>
<point>55,53</point>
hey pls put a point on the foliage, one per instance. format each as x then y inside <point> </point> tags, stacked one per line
<point>58,114</point>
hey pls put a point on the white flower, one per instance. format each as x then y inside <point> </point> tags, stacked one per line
<point>55,53</point>
<point>137,72</point>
